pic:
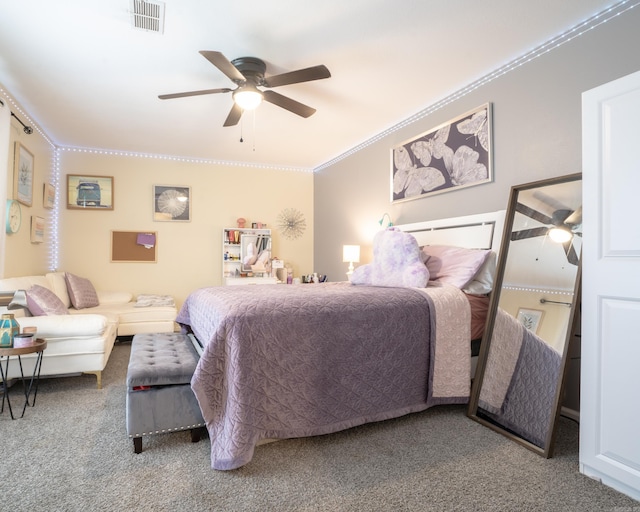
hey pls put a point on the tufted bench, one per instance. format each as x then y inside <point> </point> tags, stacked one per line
<point>159,396</point>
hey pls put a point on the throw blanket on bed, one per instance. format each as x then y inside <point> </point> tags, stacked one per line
<point>291,361</point>
<point>517,388</point>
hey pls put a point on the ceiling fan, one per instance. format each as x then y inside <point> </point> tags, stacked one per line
<point>561,226</point>
<point>248,74</point>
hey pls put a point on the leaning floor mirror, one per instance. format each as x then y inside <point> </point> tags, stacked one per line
<point>517,389</point>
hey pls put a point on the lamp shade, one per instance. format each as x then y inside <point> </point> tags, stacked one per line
<point>247,97</point>
<point>351,253</point>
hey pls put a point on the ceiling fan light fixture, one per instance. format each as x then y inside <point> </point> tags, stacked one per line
<point>248,97</point>
<point>560,235</point>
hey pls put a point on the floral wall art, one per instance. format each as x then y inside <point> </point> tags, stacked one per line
<point>454,155</point>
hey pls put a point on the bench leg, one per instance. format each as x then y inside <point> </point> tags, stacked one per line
<point>195,435</point>
<point>137,445</point>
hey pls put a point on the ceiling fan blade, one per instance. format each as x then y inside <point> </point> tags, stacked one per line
<point>288,104</point>
<point>223,64</point>
<point>529,233</point>
<point>575,218</point>
<point>295,77</point>
<point>192,93</point>
<point>572,257</point>
<point>534,214</point>
<point>234,116</point>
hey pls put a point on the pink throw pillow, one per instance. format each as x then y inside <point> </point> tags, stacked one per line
<point>41,301</point>
<point>456,266</point>
<point>81,292</point>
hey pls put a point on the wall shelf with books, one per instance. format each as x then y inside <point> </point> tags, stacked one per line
<point>246,256</point>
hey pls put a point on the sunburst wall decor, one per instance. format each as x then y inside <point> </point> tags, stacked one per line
<point>291,223</point>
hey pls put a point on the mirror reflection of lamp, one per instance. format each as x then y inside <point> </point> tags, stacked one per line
<point>351,255</point>
<point>560,234</point>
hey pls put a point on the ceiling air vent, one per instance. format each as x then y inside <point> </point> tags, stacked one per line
<point>147,15</point>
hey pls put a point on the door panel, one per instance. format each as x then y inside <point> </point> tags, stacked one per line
<point>609,417</point>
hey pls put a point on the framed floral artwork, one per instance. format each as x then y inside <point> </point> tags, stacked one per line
<point>454,155</point>
<point>530,318</point>
<point>23,175</point>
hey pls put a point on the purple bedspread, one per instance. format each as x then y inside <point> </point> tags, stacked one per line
<point>290,361</point>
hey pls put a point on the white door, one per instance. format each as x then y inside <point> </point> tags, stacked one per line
<point>610,389</point>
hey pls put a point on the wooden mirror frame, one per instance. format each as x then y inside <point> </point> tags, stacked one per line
<point>474,410</point>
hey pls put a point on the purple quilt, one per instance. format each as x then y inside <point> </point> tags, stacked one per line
<point>291,361</point>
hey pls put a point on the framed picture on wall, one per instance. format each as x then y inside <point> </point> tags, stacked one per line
<point>86,192</point>
<point>171,203</point>
<point>23,175</point>
<point>530,318</point>
<point>37,230</point>
<point>454,155</point>
<point>49,196</point>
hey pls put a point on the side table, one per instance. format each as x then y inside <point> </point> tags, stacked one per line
<point>20,348</point>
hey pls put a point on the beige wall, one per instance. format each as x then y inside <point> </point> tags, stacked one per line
<point>189,254</point>
<point>21,257</point>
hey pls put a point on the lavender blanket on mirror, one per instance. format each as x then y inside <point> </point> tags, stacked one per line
<point>291,361</point>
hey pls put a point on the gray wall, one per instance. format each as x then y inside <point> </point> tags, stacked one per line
<point>536,135</point>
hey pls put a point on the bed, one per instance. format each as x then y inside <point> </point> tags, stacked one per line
<point>283,361</point>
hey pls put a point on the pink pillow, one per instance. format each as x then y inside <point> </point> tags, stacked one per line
<point>81,292</point>
<point>42,301</point>
<point>456,266</point>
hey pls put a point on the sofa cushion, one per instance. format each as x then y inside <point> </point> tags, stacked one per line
<point>81,292</point>
<point>69,326</point>
<point>58,284</point>
<point>42,301</point>
<point>11,284</point>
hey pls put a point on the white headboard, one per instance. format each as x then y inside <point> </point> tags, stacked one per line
<point>480,231</point>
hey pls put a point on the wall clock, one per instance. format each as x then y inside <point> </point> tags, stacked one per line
<point>14,216</point>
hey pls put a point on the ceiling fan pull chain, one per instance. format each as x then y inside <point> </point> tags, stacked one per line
<point>254,130</point>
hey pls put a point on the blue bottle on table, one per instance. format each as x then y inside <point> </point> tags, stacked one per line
<point>9,328</point>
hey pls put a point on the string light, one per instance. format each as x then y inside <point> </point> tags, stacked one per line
<point>570,34</point>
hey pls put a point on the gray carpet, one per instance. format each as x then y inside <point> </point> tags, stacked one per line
<point>71,452</point>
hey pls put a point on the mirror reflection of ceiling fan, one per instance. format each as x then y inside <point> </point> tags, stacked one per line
<point>561,226</point>
<point>248,73</point>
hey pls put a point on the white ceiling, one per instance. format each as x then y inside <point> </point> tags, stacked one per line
<point>89,79</point>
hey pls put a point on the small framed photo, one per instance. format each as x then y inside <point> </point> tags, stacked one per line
<point>23,175</point>
<point>171,203</point>
<point>86,192</point>
<point>530,318</point>
<point>49,196</point>
<point>37,230</point>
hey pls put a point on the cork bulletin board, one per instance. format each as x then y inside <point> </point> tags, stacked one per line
<point>134,246</point>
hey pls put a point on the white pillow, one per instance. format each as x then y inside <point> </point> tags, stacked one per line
<point>482,283</point>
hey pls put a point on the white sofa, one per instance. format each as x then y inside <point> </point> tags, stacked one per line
<point>81,342</point>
